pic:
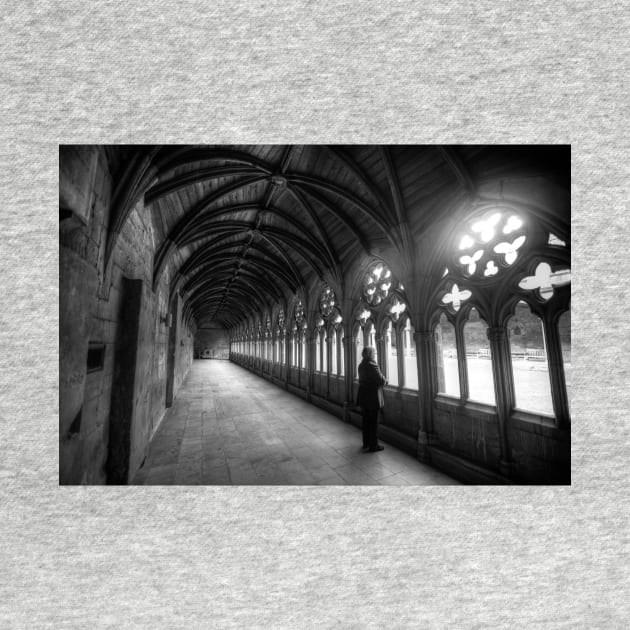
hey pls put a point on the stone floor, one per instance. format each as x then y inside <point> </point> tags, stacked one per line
<point>230,427</point>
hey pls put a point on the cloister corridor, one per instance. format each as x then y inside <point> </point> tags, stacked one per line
<point>228,426</point>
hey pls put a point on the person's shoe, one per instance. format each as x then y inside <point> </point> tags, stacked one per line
<point>377,448</point>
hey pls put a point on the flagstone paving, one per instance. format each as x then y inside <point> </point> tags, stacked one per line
<point>228,426</point>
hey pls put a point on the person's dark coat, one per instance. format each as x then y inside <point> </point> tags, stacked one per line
<point>371,381</point>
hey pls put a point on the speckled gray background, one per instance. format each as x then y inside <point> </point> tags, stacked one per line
<point>175,71</point>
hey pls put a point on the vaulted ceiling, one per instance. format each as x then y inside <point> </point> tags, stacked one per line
<point>238,227</point>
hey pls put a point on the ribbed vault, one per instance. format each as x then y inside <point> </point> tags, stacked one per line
<point>239,227</point>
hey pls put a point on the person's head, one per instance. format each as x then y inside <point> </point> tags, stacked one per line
<point>368,353</point>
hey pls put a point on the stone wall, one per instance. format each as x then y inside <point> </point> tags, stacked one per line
<point>212,343</point>
<point>102,317</point>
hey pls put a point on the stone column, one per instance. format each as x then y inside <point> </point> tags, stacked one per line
<point>349,368</point>
<point>503,390</point>
<point>400,355</point>
<point>380,350</point>
<point>556,374</point>
<point>326,351</point>
<point>462,364</point>
<point>288,351</point>
<point>427,388</point>
<point>310,366</point>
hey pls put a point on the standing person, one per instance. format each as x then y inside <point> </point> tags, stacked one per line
<point>370,398</point>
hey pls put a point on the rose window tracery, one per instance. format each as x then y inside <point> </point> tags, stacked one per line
<point>299,312</point>
<point>377,283</point>
<point>327,301</point>
<point>493,242</point>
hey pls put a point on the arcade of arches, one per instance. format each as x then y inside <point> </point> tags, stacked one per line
<point>453,262</point>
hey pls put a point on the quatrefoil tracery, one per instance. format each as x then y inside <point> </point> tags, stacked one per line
<point>456,297</point>
<point>397,309</point>
<point>544,281</point>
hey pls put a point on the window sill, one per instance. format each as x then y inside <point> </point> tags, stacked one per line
<point>533,422</point>
<point>450,402</point>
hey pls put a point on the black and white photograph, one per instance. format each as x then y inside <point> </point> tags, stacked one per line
<point>315,314</point>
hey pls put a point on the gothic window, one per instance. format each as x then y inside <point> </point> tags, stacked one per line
<point>491,260</point>
<point>297,337</point>
<point>336,346</point>
<point>330,312</point>
<point>303,336</point>
<point>294,345</point>
<point>448,369</point>
<point>341,369</point>
<point>257,340</point>
<point>530,368</point>
<point>377,284</point>
<point>318,363</point>
<point>478,359</point>
<point>358,347</point>
<point>320,346</point>
<point>410,362</point>
<point>268,339</point>
<point>282,358</point>
<point>489,244</point>
<point>370,333</point>
<point>391,354</point>
<point>327,301</point>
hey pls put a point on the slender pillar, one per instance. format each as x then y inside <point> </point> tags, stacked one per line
<point>288,352</point>
<point>310,366</point>
<point>503,390</point>
<point>400,355</point>
<point>556,374</point>
<point>326,352</point>
<point>427,388</point>
<point>462,364</point>
<point>380,350</point>
<point>349,371</point>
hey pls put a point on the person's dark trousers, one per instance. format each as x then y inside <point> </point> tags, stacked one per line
<point>370,428</point>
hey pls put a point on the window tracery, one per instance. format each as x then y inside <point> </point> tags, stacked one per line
<point>377,283</point>
<point>327,301</point>
<point>554,240</point>
<point>483,247</point>
<point>544,281</point>
<point>455,298</point>
<point>396,309</point>
<point>299,312</point>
